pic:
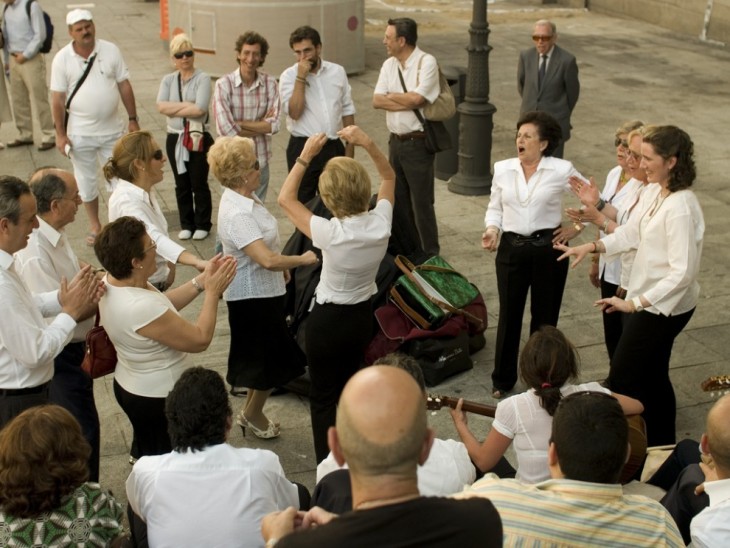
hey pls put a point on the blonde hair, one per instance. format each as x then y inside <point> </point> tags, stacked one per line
<point>628,127</point>
<point>639,131</point>
<point>345,187</point>
<point>180,42</point>
<point>130,147</point>
<point>230,157</point>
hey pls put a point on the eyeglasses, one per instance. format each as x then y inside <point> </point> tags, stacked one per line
<point>635,155</point>
<point>540,38</point>
<point>256,166</point>
<point>623,142</point>
<point>153,245</point>
<point>181,54</point>
<point>158,155</point>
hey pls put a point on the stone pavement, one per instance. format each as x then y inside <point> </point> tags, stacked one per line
<point>628,70</point>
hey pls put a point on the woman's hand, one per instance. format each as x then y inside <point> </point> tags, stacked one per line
<point>587,193</point>
<point>490,239</point>
<point>219,274</point>
<point>593,275</point>
<point>614,304</point>
<point>313,146</point>
<point>309,257</point>
<point>354,135</point>
<point>578,252</point>
<point>586,214</point>
<point>563,234</point>
<point>459,416</point>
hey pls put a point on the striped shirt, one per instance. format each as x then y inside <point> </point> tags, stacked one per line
<point>233,101</point>
<point>561,512</point>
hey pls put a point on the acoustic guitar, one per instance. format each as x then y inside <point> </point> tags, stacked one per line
<point>637,429</point>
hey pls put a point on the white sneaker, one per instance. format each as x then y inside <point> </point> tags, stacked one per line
<point>185,234</point>
<point>200,234</point>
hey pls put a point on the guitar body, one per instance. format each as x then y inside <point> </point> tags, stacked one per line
<point>637,429</point>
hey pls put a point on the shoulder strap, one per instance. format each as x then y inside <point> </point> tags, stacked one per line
<point>179,90</point>
<point>89,64</point>
<point>27,7</point>
<point>405,90</point>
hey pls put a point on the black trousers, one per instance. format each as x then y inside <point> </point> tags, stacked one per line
<point>414,188</point>
<point>149,423</point>
<point>640,369</point>
<point>335,339</point>
<point>73,389</point>
<point>12,405</point>
<point>194,203</point>
<point>310,181</point>
<point>681,501</point>
<point>523,268</point>
<point>613,322</point>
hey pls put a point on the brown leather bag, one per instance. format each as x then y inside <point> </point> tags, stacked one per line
<point>101,356</point>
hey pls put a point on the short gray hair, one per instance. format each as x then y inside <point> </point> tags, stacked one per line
<point>11,189</point>
<point>547,22</point>
<point>47,188</point>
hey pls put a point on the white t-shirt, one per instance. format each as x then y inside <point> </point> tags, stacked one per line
<point>242,221</point>
<point>352,249</point>
<point>145,367</point>
<point>213,497</point>
<point>95,107</point>
<point>522,419</point>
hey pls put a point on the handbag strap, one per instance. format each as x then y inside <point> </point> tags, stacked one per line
<point>89,64</point>
<point>179,90</point>
<point>405,90</point>
<point>98,317</point>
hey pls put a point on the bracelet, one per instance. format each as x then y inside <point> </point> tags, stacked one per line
<point>302,162</point>
<point>197,285</point>
<point>133,119</point>
<point>302,80</point>
<point>595,247</point>
<point>632,306</point>
<point>600,204</point>
<point>604,228</point>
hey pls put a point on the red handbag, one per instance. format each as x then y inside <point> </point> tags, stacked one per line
<point>101,356</point>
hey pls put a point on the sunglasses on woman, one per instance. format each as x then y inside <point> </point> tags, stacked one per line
<point>181,54</point>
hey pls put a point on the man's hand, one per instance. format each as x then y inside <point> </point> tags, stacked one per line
<point>315,517</point>
<point>280,524</point>
<point>62,142</point>
<point>304,67</point>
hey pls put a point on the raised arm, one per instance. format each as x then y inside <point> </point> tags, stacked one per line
<point>484,455</point>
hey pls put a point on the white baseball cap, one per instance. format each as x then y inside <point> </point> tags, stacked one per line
<point>74,16</point>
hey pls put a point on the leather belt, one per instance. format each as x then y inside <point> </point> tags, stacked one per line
<point>5,392</point>
<point>409,136</point>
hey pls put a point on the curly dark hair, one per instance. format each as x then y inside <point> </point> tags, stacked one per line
<point>118,243</point>
<point>547,362</point>
<point>672,142</point>
<point>198,411</point>
<point>547,127</point>
<point>305,33</point>
<point>43,458</point>
<point>251,38</point>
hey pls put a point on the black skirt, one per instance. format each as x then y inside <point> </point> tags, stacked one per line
<point>263,353</point>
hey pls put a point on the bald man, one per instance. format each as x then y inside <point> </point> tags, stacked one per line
<point>383,436</point>
<point>46,259</point>
<point>711,527</point>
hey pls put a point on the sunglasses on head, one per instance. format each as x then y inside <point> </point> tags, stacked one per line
<point>158,155</point>
<point>623,142</point>
<point>181,54</point>
<point>540,38</point>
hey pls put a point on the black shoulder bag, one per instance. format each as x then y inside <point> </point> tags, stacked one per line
<point>437,136</point>
<point>89,64</point>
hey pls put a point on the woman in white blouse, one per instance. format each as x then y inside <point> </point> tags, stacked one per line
<point>525,208</point>
<point>667,230</point>
<point>263,354</point>
<point>151,338</point>
<point>137,162</point>
<point>353,244</point>
<point>184,95</point>
<point>548,366</point>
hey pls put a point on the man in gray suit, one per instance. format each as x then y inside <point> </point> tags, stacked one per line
<point>547,79</point>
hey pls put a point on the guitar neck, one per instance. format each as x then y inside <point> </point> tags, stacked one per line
<point>469,406</point>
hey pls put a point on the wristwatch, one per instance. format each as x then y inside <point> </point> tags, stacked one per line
<point>133,119</point>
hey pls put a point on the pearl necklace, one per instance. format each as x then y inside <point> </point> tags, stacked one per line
<point>530,192</point>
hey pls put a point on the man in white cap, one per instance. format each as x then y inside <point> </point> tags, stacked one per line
<point>88,77</point>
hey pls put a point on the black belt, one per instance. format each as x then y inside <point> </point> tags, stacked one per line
<point>409,136</point>
<point>297,138</point>
<point>6,392</point>
<point>541,238</point>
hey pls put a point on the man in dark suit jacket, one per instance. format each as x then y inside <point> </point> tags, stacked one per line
<point>553,89</point>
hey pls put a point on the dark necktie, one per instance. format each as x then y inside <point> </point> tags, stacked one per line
<point>541,71</point>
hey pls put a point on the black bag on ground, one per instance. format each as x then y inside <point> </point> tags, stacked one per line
<point>440,358</point>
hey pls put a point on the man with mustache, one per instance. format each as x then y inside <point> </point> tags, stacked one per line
<point>316,97</point>
<point>93,126</point>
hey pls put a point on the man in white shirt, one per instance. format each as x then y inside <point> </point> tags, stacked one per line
<point>47,259</point>
<point>93,122</point>
<point>246,102</point>
<point>711,527</point>
<point>24,31</point>
<point>27,344</point>
<point>412,163</point>
<point>316,98</point>
<point>205,492</point>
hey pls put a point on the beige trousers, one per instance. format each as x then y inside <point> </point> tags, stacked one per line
<point>28,84</point>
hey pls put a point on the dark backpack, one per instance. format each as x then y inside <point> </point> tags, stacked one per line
<point>48,42</point>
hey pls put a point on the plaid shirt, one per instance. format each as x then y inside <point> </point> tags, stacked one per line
<point>233,101</point>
